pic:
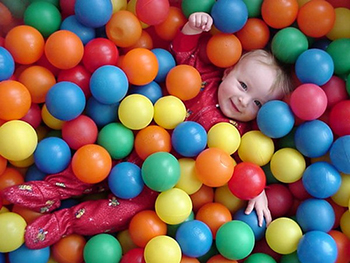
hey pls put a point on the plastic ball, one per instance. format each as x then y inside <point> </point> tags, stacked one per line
<point>162,249</point>
<point>279,14</point>
<point>222,12</point>
<point>85,33</point>
<point>124,28</point>
<point>93,13</point>
<point>252,220</point>
<point>152,91</point>
<point>315,214</point>
<point>10,177</point>
<point>255,34</point>
<point>283,48</point>
<point>184,82</point>
<point>190,6</point>
<point>224,49</point>
<point>72,96</point>
<point>188,180</point>
<point>260,258</point>
<point>225,136</point>
<point>343,245</point>
<point>235,240</point>
<point>125,180</point>
<point>339,154</point>
<point>248,180</point>
<point>317,246</point>
<point>313,139</point>
<point>342,196</point>
<point>152,12</point>
<point>275,119</point>
<point>166,62</point>
<point>280,199</point>
<point>140,66</point>
<point>15,100</point>
<point>102,244</point>
<point>94,108</point>
<point>194,238</point>
<point>64,49</point>
<point>169,111</point>
<point>256,148</point>
<point>287,165</point>
<point>173,206</point>
<point>23,254</point>
<point>335,90</point>
<point>25,43</point>
<point>12,226</point>
<point>214,167</point>
<point>340,28</point>
<point>133,255</point>
<point>283,235</point>
<point>49,120</point>
<point>18,140</point>
<point>69,249</point>
<point>7,64</point>
<point>91,163</point>
<point>339,51</point>
<point>314,66</point>
<point>135,111</point>
<point>338,116</point>
<point>160,171</point>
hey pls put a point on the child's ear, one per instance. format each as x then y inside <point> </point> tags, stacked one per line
<point>227,71</point>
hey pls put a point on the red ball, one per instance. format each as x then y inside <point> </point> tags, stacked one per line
<point>248,180</point>
<point>298,190</point>
<point>152,12</point>
<point>339,117</point>
<point>33,116</point>
<point>134,255</point>
<point>335,90</point>
<point>280,199</point>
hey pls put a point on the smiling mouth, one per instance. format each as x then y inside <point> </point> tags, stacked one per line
<point>234,106</point>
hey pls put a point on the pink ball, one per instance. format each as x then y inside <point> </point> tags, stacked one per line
<point>152,12</point>
<point>308,101</point>
<point>339,117</point>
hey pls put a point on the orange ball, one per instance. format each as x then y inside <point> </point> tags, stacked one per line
<point>224,50</point>
<point>144,226</point>
<point>279,13</point>
<point>184,82</point>
<point>204,195</point>
<point>3,163</point>
<point>316,18</point>
<point>15,100</point>
<point>214,167</point>
<point>145,41</point>
<point>123,28</point>
<point>69,249</point>
<point>64,49</point>
<point>10,177</point>
<point>186,259</point>
<point>28,215</point>
<point>140,66</point>
<point>38,81</point>
<point>91,163</point>
<point>25,43</point>
<point>255,34</point>
<point>152,139</point>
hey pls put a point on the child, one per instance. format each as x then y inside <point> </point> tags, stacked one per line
<point>233,95</point>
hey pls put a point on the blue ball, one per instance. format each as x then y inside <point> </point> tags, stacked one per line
<point>125,180</point>
<point>252,221</point>
<point>2,258</point>
<point>34,174</point>
<point>23,255</point>
<point>93,13</point>
<point>314,66</point>
<point>321,180</point>
<point>151,90</point>
<point>313,138</point>
<point>194,237</point>
<point>109,84</point>
<point>68,203</point>
<point>72,24</point>
<point>317,247</point>
<point>315,214</point>
<point>340,154</point>
<point>65,100</point>
<point>7,64</point>
<point>166,62</point>
<point>189,138</point>
<point>275,119</point>
<point>100,113</point>
<point>52,155</point>
<point>229,15</point>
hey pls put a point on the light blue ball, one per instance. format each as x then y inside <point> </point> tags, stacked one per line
<point>151,90</point>
<point>72,24</point>
<point>24,255</point>
<point>7,64</point>
<point>252,221</point>
<point>340,154</point>
<point>166,62</point>
<point>93,13</point>
<point>100,113</point>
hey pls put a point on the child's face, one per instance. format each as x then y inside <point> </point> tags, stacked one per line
<point>246,88</point>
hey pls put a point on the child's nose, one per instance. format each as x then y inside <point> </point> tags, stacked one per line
<point>244,100</point>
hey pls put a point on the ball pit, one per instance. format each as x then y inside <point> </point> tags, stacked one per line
<point>55,42</point>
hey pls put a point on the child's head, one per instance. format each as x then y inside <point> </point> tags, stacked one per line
<point>254,80</point>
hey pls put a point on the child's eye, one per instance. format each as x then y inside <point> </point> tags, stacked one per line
<point>258,103</point>
<point>243,85</point>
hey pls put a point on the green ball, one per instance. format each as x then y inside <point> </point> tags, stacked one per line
<point>288,43</point>
<point>17,7</point>
<point>160,171</point>
<point>259,258</point>
<point>190,6</point>
<point>235,240</point>
<point>117,139</point>
<point>54,2</point>
<point>254,7</point>
<point>339,50</point>
<point>102,248</point>
<point>43,16</point>
<point>290,258</point>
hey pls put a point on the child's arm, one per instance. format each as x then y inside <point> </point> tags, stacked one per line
<point>261,207</point>
<point>197,23</point>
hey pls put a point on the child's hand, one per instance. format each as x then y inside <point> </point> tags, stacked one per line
<point>197,23</point>
<point>261,208</point>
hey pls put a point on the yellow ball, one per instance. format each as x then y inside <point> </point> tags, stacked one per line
<point>173,206</point>
<point>162,249</point>
<point>50,120</point>
<point>119,5</point>
<point>135,111</point>
<point>224,196</point>
<point>287,165</point>
<point>18,140</point>
<point>169,111</point>
<point>225,136</point>
<point>341,27</point>
<point>188,181</point>
<point>345,223</point>
<point>12,227</point>
<point>23,163</point>
<point>342,196</point>
<point>283,235</point>
<point>256,148</point>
